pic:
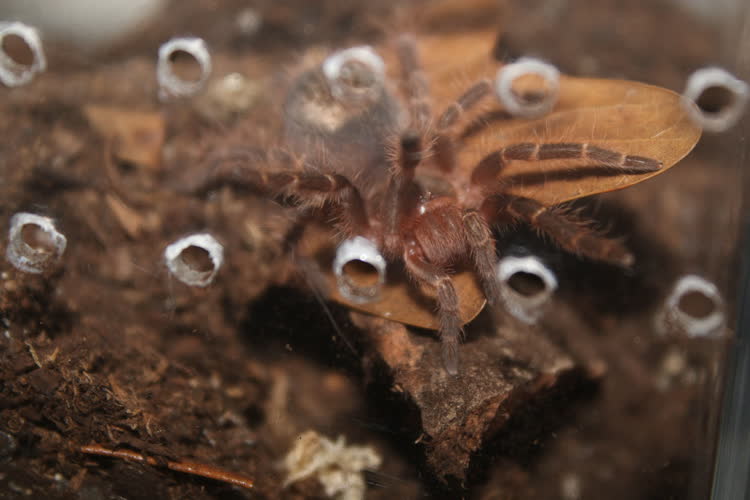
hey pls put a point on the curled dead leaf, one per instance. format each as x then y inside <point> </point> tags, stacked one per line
<point>628,117</point>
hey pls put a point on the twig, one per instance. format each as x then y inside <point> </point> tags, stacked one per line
<point>188,467</point>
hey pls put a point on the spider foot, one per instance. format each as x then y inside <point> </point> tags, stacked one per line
<point>450,336</point>
<point>450,356</point>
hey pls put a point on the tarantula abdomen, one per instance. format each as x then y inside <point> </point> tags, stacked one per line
<point>341,115</point>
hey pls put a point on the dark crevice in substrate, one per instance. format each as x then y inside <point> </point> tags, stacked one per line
<point>287,318</point>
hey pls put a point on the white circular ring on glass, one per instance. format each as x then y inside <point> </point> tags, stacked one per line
<point>674,316</point>
<point>27,258</point>
<point>366,57</point>
<point>173,255</point>
<point>12,73</point>
<point>713,77</point>
<point>527,308</point>
<point>360,249</point>
<point>515,104</point>
<point>170,85</point>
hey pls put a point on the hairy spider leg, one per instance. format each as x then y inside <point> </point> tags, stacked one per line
<point>437,237</point>
<point>330,188</point>
<point>564,228</point>
<point>232,166</point>
<point>414,82</point>
<point>482,245</point>
<point>447,301</point>
<point>466,102</point>
<point>445,144</point>
<point>481,122</point>
<point>335,189</point>
<point>402,194</point>
<point>568,231</point>
<point>489,167</point>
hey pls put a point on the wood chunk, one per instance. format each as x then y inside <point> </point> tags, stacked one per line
<point>137,136</point>
<point>500,372</point>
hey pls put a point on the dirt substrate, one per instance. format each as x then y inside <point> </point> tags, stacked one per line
<point>105,352</point>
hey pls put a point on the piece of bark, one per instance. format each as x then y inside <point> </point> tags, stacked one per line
<point>500,371</point>
<point>138,136</point>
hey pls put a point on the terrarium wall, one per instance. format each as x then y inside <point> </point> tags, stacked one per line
<point>181,313</point>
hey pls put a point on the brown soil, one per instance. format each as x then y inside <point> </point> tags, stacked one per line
<point>107,349</point>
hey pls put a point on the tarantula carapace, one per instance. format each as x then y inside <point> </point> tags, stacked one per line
<point>414,182</point>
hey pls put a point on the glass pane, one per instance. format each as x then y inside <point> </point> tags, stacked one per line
<point>423,249</point>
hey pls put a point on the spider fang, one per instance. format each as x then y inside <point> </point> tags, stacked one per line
<point>353,281</point>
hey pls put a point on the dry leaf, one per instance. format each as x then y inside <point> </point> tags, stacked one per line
<point>628,117</point>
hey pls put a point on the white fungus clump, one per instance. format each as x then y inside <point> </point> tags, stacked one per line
<point>337,467</point>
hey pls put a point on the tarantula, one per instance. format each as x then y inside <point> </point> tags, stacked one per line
<point>388,165</point>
